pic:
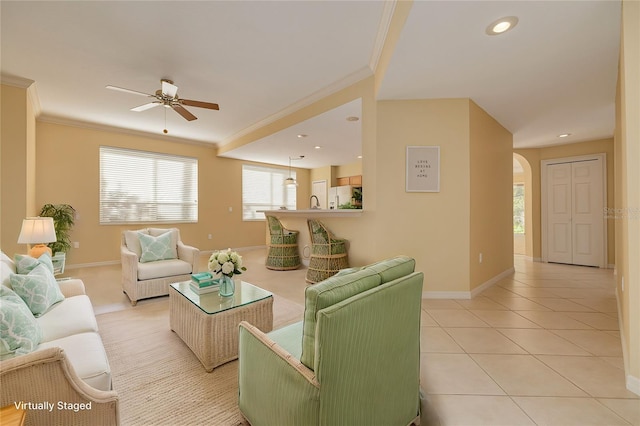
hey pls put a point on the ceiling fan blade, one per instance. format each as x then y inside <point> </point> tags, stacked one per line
<point>169,89</point>
<point>183,112</point>
<point>199,104</point>
<point>121,89</point>
<point>146,106</point>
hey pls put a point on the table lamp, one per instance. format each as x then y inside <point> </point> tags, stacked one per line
<point>38,231</point>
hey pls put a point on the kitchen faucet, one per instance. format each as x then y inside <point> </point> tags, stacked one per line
<point>317,206</point>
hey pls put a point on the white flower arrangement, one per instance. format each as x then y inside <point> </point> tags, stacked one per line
<point>226,262</point>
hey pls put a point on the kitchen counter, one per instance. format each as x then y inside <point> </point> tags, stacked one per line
<point>314,213</point>
<point>297,220</point>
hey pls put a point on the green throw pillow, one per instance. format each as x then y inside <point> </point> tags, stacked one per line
<point>156,248</point>
<point>39,289</point>
<point>20,333</point>
<point>25,263</point>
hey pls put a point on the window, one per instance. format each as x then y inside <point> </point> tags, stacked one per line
<point>518,208</point>
<point>263,189</point>
<point>143,187</point>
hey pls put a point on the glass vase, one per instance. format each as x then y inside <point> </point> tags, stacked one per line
<point>227,286</point>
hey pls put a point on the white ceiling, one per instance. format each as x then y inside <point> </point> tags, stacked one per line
<point>554,73</point>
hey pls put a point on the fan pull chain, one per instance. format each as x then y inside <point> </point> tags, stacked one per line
<point>165,121</point>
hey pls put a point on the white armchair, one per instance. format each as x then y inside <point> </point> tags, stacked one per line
<point>152,258</point>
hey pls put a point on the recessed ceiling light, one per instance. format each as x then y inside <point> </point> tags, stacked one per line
<point>359,156</point>
<point>502,25</point>
<point>317,147</point>
<point>564,135</point>
<point>302,135</point>
<point>352,118</point>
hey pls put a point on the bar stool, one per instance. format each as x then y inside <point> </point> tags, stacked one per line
<point>328,253</point>
<point>283,252</point>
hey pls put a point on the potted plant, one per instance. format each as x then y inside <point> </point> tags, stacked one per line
<point>63,219</point>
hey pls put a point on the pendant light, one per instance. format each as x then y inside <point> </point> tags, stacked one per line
<point>290,181</point>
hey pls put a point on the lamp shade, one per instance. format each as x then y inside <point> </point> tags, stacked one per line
<point>290,181</point>
<point>37,230</point>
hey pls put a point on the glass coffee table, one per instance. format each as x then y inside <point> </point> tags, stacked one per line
<point>208,323</point>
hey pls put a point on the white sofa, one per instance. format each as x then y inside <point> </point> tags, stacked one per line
<point>151,278</point>
<point>69,365</point>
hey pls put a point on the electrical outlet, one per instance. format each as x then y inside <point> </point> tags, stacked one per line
<point>480,258</point>
<point>230,209</point>
<point>76,244</point>
<point>209,236</point>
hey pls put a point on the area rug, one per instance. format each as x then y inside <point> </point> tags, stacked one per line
<point>159,380</point>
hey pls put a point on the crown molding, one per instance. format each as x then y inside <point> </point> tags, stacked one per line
<point>335,87</point>
<point>381,36</point>
<point>27,84</point>
<point>106,128</point>
<point>15,81</point>
<point>32,93</point>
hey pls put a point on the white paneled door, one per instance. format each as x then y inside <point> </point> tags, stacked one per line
<point>319,189</point>
<point>574,212</point>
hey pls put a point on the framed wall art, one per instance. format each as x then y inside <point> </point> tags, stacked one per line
<point>423,169</point>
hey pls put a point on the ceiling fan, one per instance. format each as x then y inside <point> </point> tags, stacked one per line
<point>168,97</point>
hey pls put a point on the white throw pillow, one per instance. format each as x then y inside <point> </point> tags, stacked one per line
<point>132,241</point>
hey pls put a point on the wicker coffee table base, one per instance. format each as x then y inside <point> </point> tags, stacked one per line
<point>214,338</point>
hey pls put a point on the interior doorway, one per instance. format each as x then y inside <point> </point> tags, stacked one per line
<point>518,209</point>
<point>522,207</point>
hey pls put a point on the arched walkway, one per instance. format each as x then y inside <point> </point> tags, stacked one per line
<point>522,181</point>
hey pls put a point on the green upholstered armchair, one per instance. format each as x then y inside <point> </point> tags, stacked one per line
<point>353,360</point>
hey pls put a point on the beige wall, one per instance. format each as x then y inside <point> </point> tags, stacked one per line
<point>535,155</point>
<point>491,194</point>
<point>431,227</point>
<point>434,228</point>
<point>18,170</point>
<point>68,172</point>
<point>351,169</point>
<point>627,146</point>
<point>322,173</point>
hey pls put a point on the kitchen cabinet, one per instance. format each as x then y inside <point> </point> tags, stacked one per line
<point>349,180</point>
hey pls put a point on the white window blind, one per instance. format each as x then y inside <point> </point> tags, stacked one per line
<point>143,187</point>
<point>263,189</point>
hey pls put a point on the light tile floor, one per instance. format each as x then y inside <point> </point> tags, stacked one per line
<point>540,347</point>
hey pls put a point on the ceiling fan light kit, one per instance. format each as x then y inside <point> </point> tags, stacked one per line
<point>167,96</point>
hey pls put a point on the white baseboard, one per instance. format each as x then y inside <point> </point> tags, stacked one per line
<point>485,285</point>
<point>446,295</point>
<point>117,262</point>
<point>467,294</point>
<point>633,384</point>
<point>92,264</point>
<point>238,249</point>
